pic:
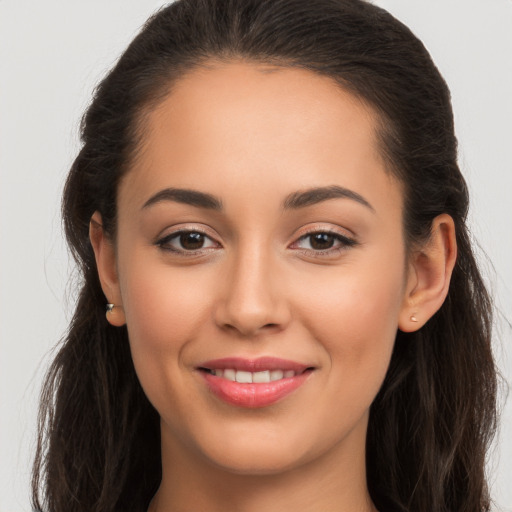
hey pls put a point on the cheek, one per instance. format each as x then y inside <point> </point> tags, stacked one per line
<point>356,322</point>
<point>164,308</point>
<point>163,305</point>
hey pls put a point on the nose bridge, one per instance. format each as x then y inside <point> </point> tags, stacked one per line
<point>252,298</point>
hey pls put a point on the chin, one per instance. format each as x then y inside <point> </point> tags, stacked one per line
<point>263,465</point>
<point>255,455</point>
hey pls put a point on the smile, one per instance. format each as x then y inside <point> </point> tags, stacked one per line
<point>250,377</point>
<point>253,383</point>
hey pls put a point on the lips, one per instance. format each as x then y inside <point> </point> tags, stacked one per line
<point>249,377</point>
<point>253,383</point>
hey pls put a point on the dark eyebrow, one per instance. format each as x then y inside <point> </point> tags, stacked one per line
<point>185,196</point>
<point>317,195</point>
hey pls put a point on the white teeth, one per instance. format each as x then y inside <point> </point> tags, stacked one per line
<point>261,376</point>
<point>230,375</point>
<point>249,377</point>
<point>244,377</point>
<point>276,375</point>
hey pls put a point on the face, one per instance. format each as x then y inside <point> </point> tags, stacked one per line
<point>260,239</point>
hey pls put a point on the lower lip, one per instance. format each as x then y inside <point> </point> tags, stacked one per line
<point>254,395</point>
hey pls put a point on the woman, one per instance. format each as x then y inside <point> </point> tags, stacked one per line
<point>268,205</point>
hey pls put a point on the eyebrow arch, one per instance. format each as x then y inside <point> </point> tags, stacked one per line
<point>185,196</point>
<point>317,195</point>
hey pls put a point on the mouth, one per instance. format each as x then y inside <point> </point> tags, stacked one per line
<point>253,383</point>
<point>244,377</point>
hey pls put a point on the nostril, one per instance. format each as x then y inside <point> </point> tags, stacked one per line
<point>249,316</point>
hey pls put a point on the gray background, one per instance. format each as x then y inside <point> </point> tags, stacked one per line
<point>52,53</point>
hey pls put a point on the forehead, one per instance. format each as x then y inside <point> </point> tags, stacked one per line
<point>250,125</point>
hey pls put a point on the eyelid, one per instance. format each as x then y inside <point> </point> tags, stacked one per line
<point>323,228</point>
<point>330,229</point>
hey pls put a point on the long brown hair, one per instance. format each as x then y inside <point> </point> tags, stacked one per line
<point>433,419</point>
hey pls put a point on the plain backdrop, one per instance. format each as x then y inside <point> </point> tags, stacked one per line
<point>53,52</point>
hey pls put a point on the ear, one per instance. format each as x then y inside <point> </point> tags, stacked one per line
<point>104,253</point>
<point>430,271</point>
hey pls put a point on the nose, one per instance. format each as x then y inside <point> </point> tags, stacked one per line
<point>253,296</point>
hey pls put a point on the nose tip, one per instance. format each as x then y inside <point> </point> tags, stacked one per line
<point>247,322</point>
<point>249,315</point>
<point>252,303</point>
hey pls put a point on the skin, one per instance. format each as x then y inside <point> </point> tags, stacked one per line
<point>251,135</point>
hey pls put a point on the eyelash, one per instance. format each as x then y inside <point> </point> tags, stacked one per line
<point>164,242</point>
<point>345,243</point>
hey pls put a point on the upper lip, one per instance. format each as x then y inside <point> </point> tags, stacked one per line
<point>254,365</point>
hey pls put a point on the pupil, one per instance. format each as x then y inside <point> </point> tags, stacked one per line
<point>192,241</point>
<point>322,241</point>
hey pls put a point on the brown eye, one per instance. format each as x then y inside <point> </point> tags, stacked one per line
<point>321,241</point>
<point>192,241</point>
<point>186,242</point>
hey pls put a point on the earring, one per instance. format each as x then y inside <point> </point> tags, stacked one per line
<point>413,318</point>
<point>115,314</point>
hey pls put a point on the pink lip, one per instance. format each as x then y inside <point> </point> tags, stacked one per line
<point>254,395</point>
<point>254,365</point>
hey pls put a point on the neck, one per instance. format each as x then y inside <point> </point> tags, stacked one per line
<point>333,482</point>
